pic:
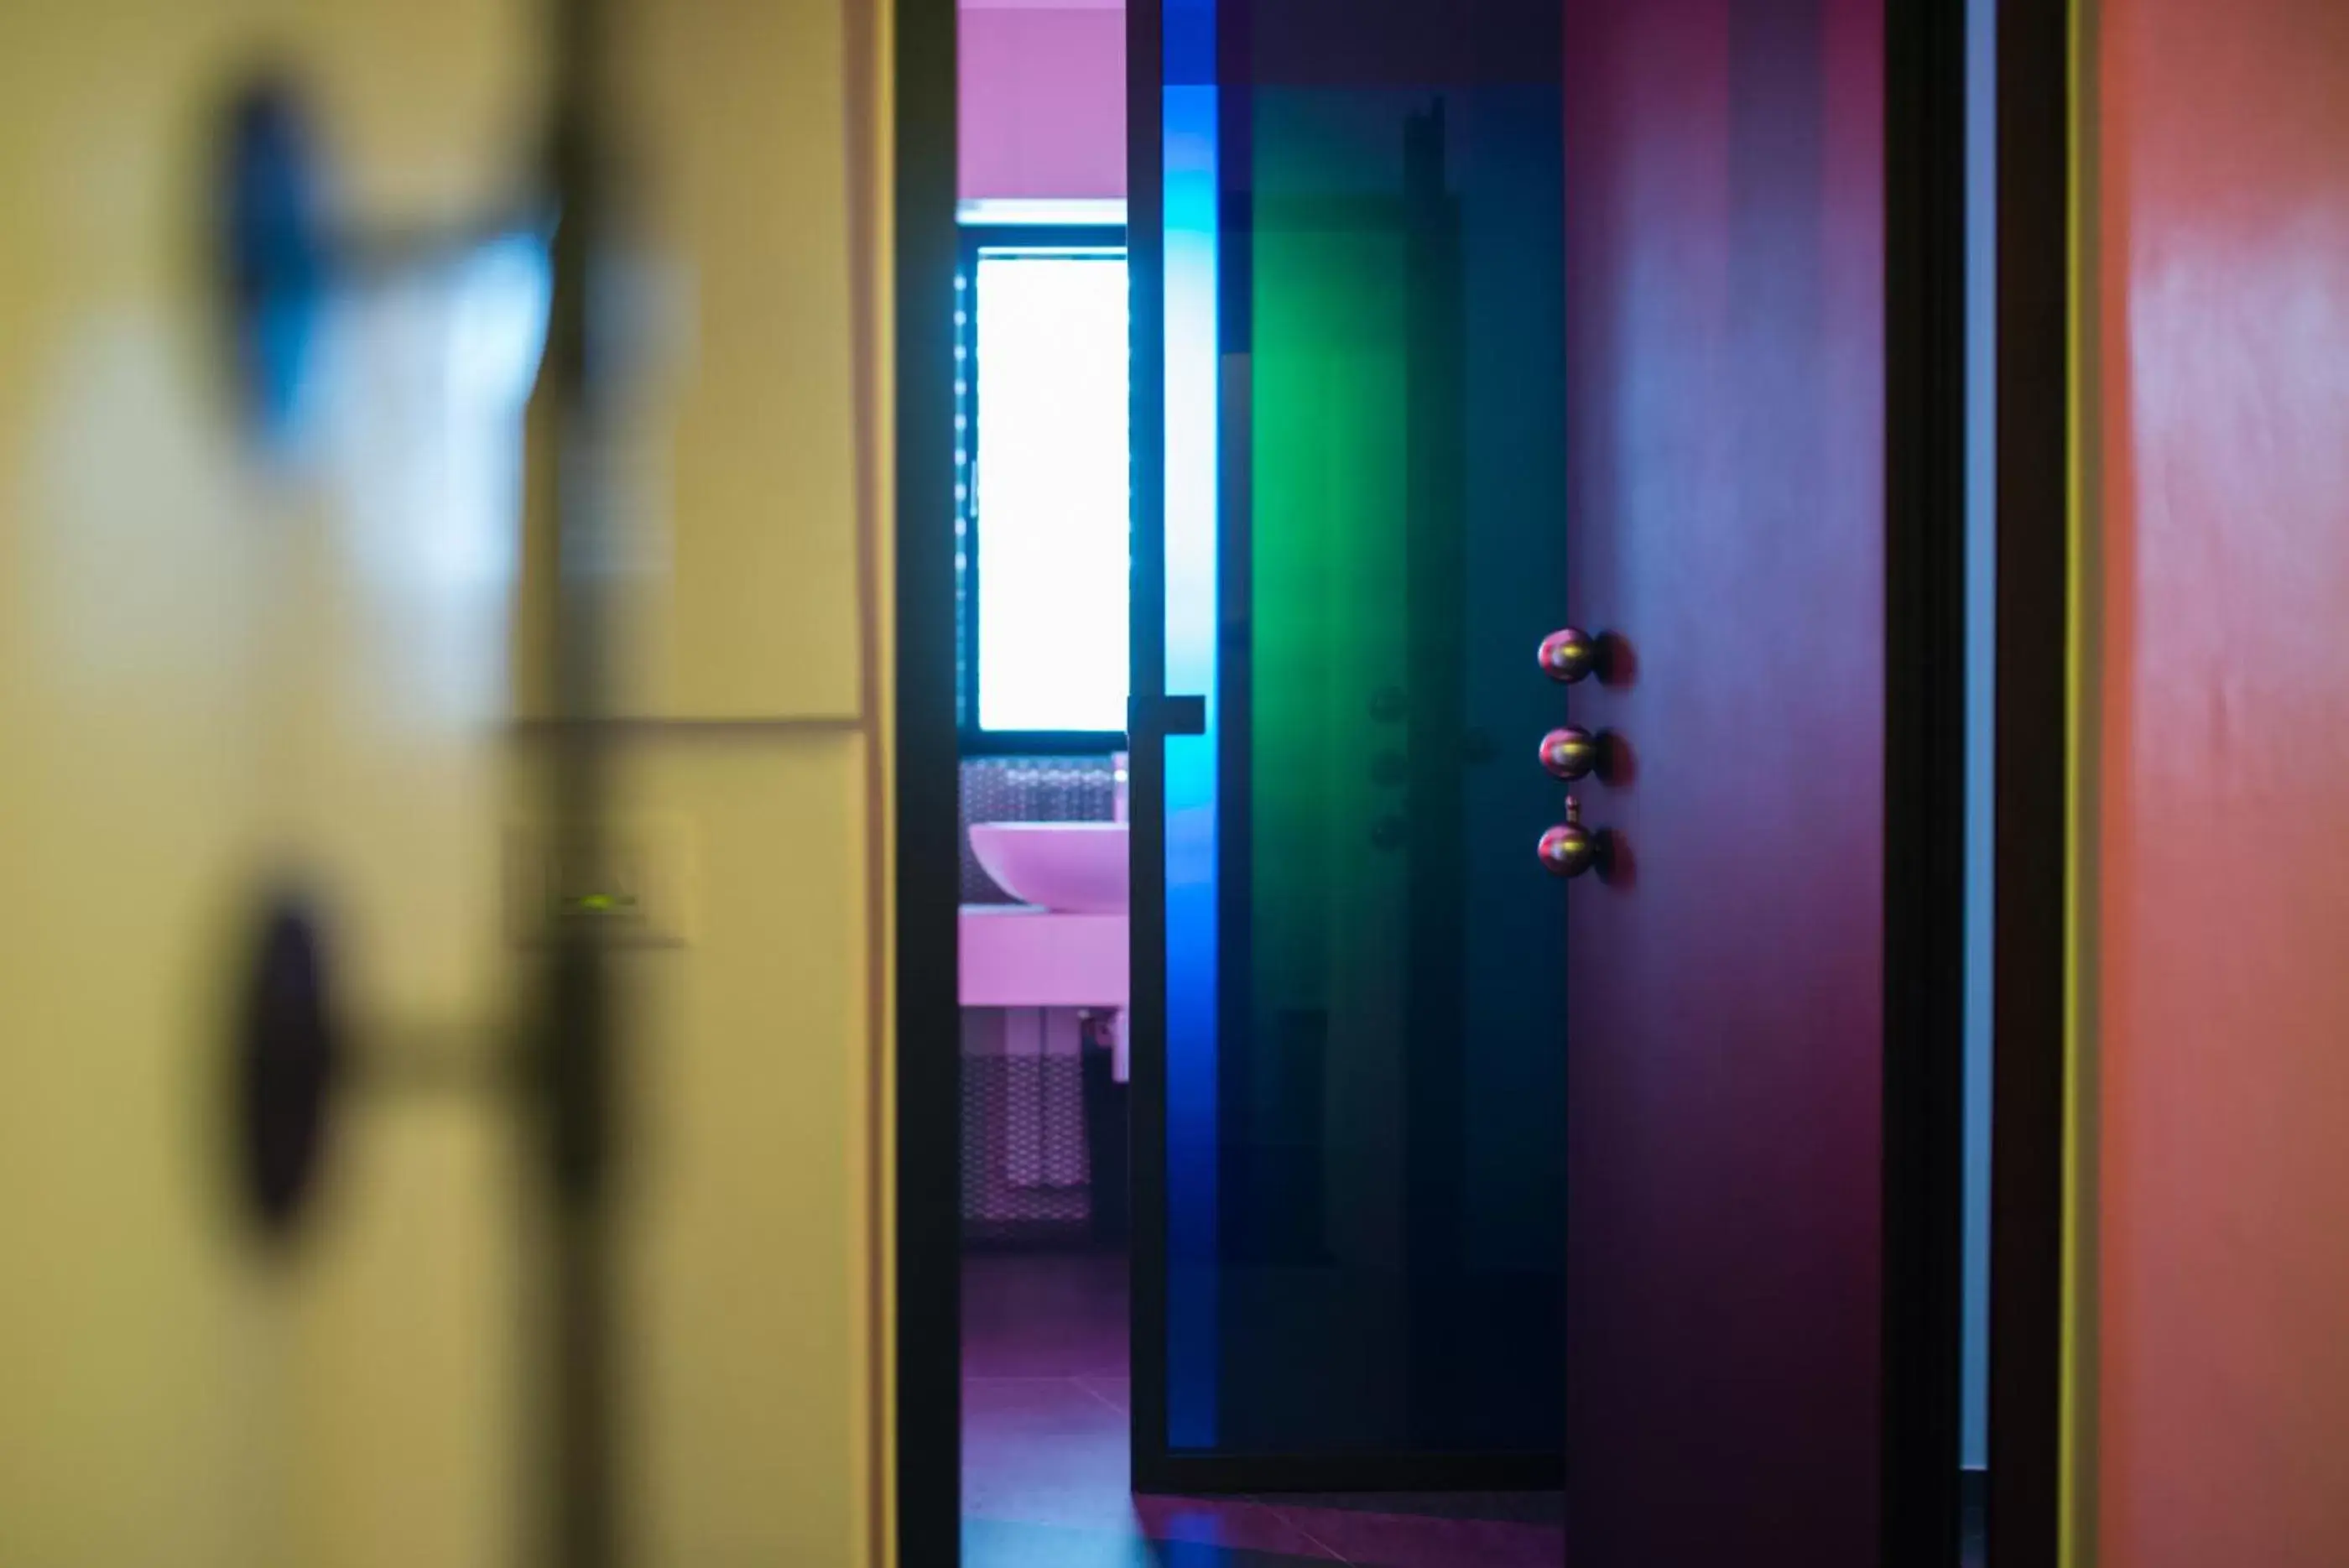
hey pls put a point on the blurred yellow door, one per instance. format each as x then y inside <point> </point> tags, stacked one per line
<point>224,674</point>
<point>219,676</point>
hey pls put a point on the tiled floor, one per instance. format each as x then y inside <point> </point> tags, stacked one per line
<point>1044,1457</point>
<point>1045,1384</point>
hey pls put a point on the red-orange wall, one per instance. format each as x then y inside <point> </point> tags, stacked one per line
<point>2218,482</point>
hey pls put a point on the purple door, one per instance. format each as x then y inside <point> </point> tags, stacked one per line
<point>1727,1382</point>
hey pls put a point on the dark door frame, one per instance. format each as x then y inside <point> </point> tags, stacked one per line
<point>2033,335</point>
<point>926,782</point>
<point>1926,94</point>
<point>1925,87</point>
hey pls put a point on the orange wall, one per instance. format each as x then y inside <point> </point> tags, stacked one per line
<point>2218,750</point>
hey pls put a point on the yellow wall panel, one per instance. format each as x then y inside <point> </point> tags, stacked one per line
<point>743,510</point>
<point>746,1150</point>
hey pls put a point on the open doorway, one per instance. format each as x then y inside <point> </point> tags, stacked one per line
<point>1364,444</point>
<point>1042,491</point>
<point>1043,475</point>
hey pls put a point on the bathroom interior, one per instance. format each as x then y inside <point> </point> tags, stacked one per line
<point>1041,448</point>
<point>1042,689</point>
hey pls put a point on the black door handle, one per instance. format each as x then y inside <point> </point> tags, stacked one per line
<point>1167,715</point>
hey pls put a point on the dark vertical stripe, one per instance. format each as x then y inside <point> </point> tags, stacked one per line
<point>573,1053</point>
<point>1924,870</point>
<point>1238,1189</point>
<point>1147,764</point>
<point>2032,326</point>
<point>928,1061</point>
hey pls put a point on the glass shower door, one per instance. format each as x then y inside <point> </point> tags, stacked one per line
<point>1351,1090</point>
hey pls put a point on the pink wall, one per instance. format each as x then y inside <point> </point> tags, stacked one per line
<point>1043,100</point>
<point>2221,276</point>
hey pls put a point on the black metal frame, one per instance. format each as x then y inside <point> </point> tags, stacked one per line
<point>1146,761</point>
<point>2034,331</point>
<point>1925,740</point>
<point>2018,1501</point>
<point>975,740</point>
<point>1042,742</point>
<point>927,871</point>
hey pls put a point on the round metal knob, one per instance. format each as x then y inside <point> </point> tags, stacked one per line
<point>1569,752</point>
<point>1569,654</point>
<point>1569,850</point>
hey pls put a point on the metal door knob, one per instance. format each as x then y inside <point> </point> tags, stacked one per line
<point>1569,850</point>
<point>1569,752</point>
<point>1569,654</point>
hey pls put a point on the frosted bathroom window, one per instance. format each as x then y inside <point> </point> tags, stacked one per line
<point>1049,524</point>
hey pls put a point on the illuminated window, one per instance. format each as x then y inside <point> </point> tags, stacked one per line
<point>1042,484</point>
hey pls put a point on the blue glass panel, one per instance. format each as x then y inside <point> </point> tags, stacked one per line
<point>1364,516</point>
<point>1192,409</point>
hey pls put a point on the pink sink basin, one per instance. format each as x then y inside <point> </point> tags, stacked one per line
<point>1078,866</point>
